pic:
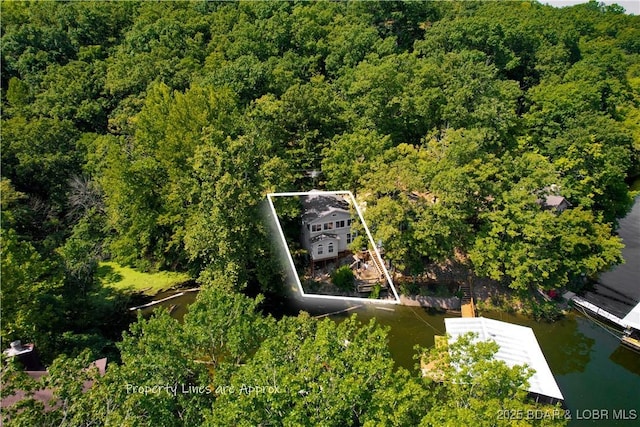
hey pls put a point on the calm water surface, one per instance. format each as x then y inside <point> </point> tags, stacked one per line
<point>592,370</point>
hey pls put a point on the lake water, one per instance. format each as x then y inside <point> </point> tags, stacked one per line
<point>593,371</point>
<point>178,306</point>
<point>618,290</point>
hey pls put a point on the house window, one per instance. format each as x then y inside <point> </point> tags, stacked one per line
<point>328,226</point>
<point>320,249</point>
<point>348,238</point>
<point>316,227</point>
<point>349,222</point>
<point>330,248</point>
<point>340,224</point>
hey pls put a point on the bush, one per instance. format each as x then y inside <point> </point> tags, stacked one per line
<point>545,310</point>
<point>375,292</point>
<point>312,286</point>
<point>343,278</point>
<point>410,288</point>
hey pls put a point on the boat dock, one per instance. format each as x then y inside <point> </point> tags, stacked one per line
<point>583,303</point>
<point>630,324</point>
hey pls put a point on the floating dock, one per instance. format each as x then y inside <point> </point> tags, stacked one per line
<point>517,345</point>
<point>632,341</point>
<point>468,310</point>
<point>583,303</point>
<point>630,324</point>
<point>631,338</point>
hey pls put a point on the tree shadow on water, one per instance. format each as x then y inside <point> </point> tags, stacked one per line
<point>626,358</point>
<point>566,348</point>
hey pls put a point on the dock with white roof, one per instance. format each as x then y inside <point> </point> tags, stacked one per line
<point>517,346</point>
<point>630,324</point>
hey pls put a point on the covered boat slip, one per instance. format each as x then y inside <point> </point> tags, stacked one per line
<point>584,304</point>
<point>517,346</point>
<point>630,323</point>
<point>632,333</point>
<point>632,319</point>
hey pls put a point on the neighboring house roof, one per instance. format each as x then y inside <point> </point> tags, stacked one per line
<point>320,205</point>
<point>552,201</point>
<point>426,196</point>
<point>324,236</point>
<point>518,346</point>
<point>45,395</point>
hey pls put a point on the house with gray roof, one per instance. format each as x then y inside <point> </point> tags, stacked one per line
<point>326,225</point>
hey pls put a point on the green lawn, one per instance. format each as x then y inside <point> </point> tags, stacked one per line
<point>126,278</point>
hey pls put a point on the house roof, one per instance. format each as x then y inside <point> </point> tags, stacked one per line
<point>318,204</point>
<point>46,395</point>
<point>518,346</point>
<point>553,201</point>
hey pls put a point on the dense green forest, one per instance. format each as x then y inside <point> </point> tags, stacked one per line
<point>148,133</point>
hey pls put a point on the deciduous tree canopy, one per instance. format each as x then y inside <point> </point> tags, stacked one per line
<point>149,134</point>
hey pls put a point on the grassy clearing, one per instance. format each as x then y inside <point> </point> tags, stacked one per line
<point>129,279</point>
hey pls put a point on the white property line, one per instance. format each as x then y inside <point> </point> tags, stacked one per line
<point>158,301</point>
<point>290,258</point>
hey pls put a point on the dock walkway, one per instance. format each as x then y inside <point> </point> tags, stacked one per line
<point>468,307</point>
<point>584,304</point>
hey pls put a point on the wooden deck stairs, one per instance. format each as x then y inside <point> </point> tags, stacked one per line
<point>468,306</point>
<point>373,257</point>
<point>372,281</point>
